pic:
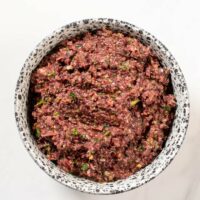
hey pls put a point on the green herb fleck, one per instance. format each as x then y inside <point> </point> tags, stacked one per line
<point>113,96</point>
<point>105,125</point>
<point>124,66</point>
<point>56,114</point>
<point>83,136</point>
<point>107,133</point>
<point>47,148</point>
<point>141,148</point>
<point>40,102</point>
<point>167,108</point>
<point>75,132</point>
<point>134,102</point>
<point>84,167</point>
<point>48,99</point>
<point>96,139</point>
<point>101,93</point>
<point>51,74</point>
<point>73,96</point>
<point>129,40</point>
<point>37,133</point>
<point>38,86</point>
<point>78,46</point>
<point>67,51</point>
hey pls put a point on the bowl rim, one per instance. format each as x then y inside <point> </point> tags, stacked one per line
<point>94,187</point>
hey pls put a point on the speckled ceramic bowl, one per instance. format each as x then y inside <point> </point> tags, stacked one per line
<point>174,140</point>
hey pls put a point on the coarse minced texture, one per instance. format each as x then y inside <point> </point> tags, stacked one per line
<point>102,105</point>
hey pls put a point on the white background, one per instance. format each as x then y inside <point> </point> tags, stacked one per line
<point>23,23</point>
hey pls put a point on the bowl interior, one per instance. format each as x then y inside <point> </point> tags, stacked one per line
<point>173,142</point>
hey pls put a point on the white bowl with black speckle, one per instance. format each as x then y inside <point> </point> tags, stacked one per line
<point>176,135</point>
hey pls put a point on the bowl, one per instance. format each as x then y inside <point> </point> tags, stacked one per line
<point>175,138</point>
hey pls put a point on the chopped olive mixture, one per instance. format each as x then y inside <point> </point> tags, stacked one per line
<point>102,105</point>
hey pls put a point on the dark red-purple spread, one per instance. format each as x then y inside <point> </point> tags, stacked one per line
<point>101,105</point>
